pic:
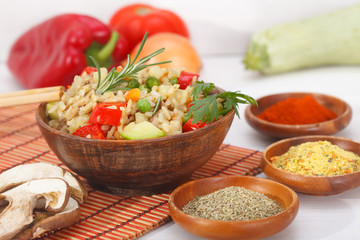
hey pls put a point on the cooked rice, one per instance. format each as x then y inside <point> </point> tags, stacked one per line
<point>77,103</point>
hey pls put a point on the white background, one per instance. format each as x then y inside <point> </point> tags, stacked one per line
<point>220,31</point>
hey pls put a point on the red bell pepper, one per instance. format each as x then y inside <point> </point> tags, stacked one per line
<point>185,79</point>
<point>90,131</point>
<point>108,113</point>
<point>53,52</point>
<point>190,126</point>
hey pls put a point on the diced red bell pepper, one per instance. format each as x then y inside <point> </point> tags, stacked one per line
<point>54,51</point>
<point>90,131</point>
<point>189,105</point>
<point>108,113</point>
<point>89,70</point>
<point>185,79</point>
<point>190,126</point>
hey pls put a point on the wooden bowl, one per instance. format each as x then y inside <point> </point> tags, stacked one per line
<point>338,106</point>
<point>314,185</point>
<point>136,167</point>
<point>252,229</point>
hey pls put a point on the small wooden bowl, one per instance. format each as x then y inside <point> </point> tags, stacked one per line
<point>253,229</point>
<point>314,185</point>
<point>136,167</point>
<point>338,106</point>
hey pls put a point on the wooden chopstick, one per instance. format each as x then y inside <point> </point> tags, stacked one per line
<point>37,95</point>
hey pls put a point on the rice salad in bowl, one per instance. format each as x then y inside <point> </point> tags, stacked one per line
<point>123,129</point>
<point>139,101</point>
<point>74,109</point>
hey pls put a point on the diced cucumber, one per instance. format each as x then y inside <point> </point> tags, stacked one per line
<point>52,115</point>
<point>143,130</point>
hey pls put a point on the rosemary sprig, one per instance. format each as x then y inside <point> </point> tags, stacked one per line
<point>113,79</point>
<point>156,107</point>
<point>206,109</point>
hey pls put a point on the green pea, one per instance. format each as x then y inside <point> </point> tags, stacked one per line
<point>133,83</point>
<point>152,81</point>
<point>144,87</point>
<point>220,107</point>
<point>174,81</point>
<point>115,73</point>
<point>144,105</point>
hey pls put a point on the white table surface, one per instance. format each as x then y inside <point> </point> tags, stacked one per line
<point>220,31</point>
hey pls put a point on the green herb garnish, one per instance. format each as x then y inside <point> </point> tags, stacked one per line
<point>113,79</point>
<point>156,107</point>
<point>206,110</point>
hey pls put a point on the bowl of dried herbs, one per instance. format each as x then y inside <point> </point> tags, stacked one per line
<point>233,207</point>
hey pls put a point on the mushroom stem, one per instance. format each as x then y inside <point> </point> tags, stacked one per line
<point>45,222</point>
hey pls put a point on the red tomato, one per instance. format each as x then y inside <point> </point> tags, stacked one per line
<point>190,126</point>
<point>185,79</point>
<point>108,113</point>
<point>93,131</point>
<point>134,20</point>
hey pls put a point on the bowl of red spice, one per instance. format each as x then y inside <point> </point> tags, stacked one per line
<point>295,114</point>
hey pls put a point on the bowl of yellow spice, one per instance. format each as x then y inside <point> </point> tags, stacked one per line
<point>294,114</point>
<point>316,165</point>
<point>233,207</point>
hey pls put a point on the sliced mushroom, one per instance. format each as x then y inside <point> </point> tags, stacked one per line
<point>3,203</point>
<point>26,172</point>
<point>45,222</point>
<point>23,199</point>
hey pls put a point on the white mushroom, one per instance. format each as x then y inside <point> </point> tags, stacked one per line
<point>45,222</point>
<point>26,172</point>
<point>23,199</point>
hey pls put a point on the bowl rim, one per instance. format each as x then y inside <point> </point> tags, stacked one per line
<point>248,110</point>
<point>294,203</point>
<point>200,131</point>
<point>309,137</point>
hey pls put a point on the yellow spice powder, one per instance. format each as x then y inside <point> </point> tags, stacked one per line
<point>319,158</point>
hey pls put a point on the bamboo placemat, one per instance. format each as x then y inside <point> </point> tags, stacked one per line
<point>104,215</point>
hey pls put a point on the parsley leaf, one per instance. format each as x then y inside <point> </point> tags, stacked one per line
<point>200,87</point>
<point>232,99</point>
<point>206,109</point>
<point>202,109</point>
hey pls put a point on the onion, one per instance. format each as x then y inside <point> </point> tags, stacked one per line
<point>178,49</point>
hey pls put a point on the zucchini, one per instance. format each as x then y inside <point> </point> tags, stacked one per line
<point>52,115</point>
<point>330,39</point>
<point>143,130</point>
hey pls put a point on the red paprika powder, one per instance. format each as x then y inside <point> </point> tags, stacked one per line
<point>304,110</point>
